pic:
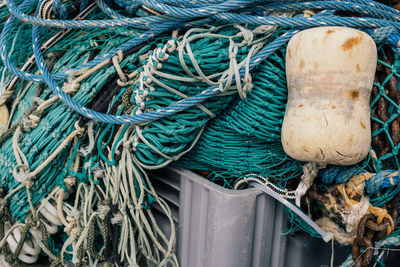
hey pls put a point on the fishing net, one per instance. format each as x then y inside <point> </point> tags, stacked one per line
<point>90,105</point>
<point>245,138</point>
<point>385,112</point>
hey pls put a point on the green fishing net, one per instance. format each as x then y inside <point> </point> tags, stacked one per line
<point>98,178</point>
<point>245,138</point>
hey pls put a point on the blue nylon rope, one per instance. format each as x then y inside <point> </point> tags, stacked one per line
<point>161,28</point>
<point>385,17</point>
<point>381,180</point>
<point>149,116</point>
<point>155,20</point>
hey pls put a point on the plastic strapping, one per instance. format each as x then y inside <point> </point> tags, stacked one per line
<point>325,235</point>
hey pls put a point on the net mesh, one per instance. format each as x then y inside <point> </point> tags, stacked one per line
<point>224,138</point>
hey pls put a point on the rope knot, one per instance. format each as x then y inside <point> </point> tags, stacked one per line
<point>263,29</point>
<point>135,144</point>
<point>28,183</point>
<point>310,171</point>
<point>171,45</point>
<point>22,175</point>
<point>31,122</point>
<point>103,210</point>
<point>123,84</point>
<point>75,231</point>
<point>248,84</point>
<point>70,87</point>
<point>126,145</point>
<point>72,227</point>
<point>32,222</point>
<point>308,13</point>
<point>161,55</point>
<point>138,207</point>
<point>120,56</point>
<point>233,53</point>
<point>38,100</point>
<point>246,34</point>
<point>116,60</point>
<point>34,120</point>
<point>155,63</point>
<point>70,181</point>
<point>146,80</point>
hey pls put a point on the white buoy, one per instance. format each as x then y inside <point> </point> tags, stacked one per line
<point>30,250</point>
<point>330,73</point>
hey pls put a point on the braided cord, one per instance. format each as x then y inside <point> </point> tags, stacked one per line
<point>149,116</point>
<point>216,11</point>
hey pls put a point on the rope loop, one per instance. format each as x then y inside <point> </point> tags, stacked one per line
<point>21,174</point>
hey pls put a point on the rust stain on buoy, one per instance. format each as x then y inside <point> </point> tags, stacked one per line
<point>302,64</point>
<point>351,42</point>
<point>351,139</point>
<point>354,94</point>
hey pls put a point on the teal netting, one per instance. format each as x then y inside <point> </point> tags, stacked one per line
<point>245,138</point>
<point>79,188</point>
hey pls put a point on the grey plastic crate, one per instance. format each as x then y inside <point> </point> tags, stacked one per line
<point>218,226</point>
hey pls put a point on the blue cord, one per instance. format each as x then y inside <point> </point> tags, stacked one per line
<point>343,6</point>
<point>160,28</point>
<point>385,27</point>
<point>149,116</point>
<point>379,181</point>
<point>353,22</point>
<point>140,23</point>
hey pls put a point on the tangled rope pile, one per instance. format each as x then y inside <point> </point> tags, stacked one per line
<point>96,93</point>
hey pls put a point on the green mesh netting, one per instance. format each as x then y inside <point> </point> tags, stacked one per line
<point>245,138</point>
<point>385,120</point>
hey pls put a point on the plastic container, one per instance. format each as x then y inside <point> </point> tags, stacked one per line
<point>218,226</point>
